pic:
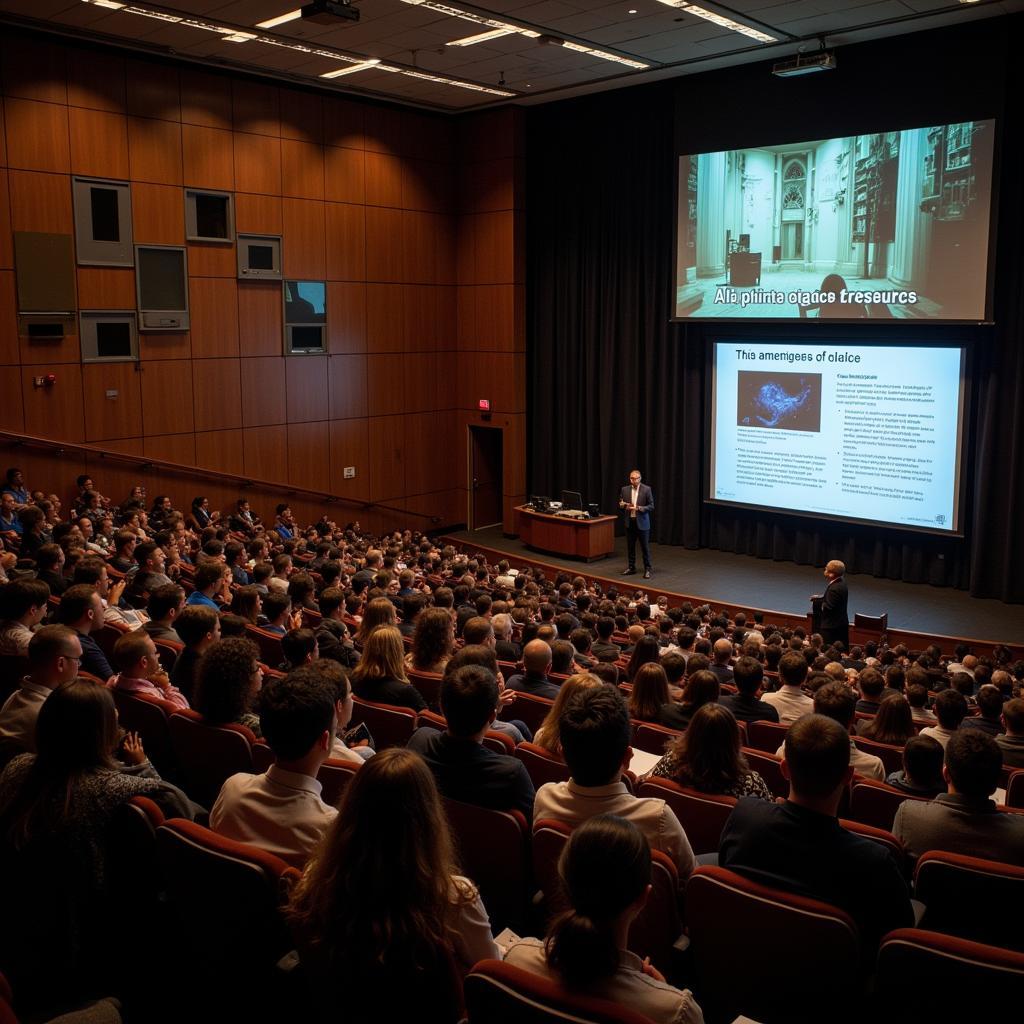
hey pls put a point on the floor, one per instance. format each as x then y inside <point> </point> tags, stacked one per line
<point>726,578</point>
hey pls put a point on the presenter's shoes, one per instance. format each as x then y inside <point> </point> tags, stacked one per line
<point>647,574</point>
<point>628,572</point>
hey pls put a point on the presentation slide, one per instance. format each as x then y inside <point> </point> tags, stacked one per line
<point>894,224</point>
<point>848,431</point>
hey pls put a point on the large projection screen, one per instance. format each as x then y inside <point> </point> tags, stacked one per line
<point>840,430</point>
<point>888,225</point>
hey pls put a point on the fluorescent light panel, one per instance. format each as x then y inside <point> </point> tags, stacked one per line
<point>361,66</point>
<point>280,19</point>
<point>483,37</point>
<point>721,20</point>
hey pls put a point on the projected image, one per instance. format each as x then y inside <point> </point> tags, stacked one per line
<point>784,401</point>
<point>894,224</point>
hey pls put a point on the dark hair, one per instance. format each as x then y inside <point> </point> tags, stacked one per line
<point>275,604</point>
<point>207,574</point>
<point>432,638</point>
<point>793,668</point>
<point>163,598</point>
<point>477,630</point>
<point>297,645</point>
<point>300,586</point>
<point>893,723</point>
<point>922,762</point>
<point>1013,712</point>
<point>748,675</point>
<point>871,682</point>
<point>194,622</point>
<point>595,733</point>
<point>646,649</point>
<point>650,692</point>
<point>562,654</point>
<point>20,596</point>
<point>331,599</point>
<point>702,688</point>
<point>950,708</point>
<point>837,701</point>
<point>708,755</point>
<point>990,701</point>
<point>246,602</point>
<point>223,680</point>
<point>48,643</point>
<point>469,696</point>
<point>817,751</point>
<point>295,712</point>
<point>48,556</point>
<point>974,762</point>
<point>605,867</point>
<point>74,603</point>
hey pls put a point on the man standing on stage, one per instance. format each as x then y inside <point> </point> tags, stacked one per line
<point>835,619</point>
<point>636,500</point>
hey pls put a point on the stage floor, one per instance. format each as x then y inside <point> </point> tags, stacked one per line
<point>724,578</point>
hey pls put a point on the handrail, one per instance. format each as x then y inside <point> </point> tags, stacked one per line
<point>146,464</point>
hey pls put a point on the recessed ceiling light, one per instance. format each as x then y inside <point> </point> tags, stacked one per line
<point>280,19</point>
<point>720,19</point>
<point>633,11</point>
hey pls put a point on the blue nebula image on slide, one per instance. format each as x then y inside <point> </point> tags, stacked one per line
<point>784,401</point>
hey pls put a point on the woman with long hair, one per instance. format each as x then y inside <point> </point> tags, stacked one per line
<point>700,688</point>
<point>547,735</point>
<point>380,675</point>
<point>432,642</point>
<point>893,722</point>
<point>247,602</point>
<point>606,873</point>
<point>646,650</point>
<point>379,612</point>
<point>381,914</point>
<point>650,696</point>
<point>707,757</point>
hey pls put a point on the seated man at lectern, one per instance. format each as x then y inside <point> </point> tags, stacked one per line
<point>835,624</point>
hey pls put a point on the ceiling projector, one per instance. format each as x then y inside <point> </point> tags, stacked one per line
<point>805,64</point>
<point>326,12</point>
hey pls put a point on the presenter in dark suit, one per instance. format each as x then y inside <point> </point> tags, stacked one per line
<point>835,618</point>
<point>636,501</point>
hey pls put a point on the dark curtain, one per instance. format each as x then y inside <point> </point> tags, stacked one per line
<point>614,385</point>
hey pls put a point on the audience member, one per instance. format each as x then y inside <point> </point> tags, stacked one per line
<point>228,678</point>
<point>432,641</point>
<point>950,710</point>
<point>534,677</point>
<point>140,672</point>
<point>380,676</point>
<point>990,710</point>
<point>1011,745</point>
<point>332,636</point>
<point>81,610</point>
<point>745,704</point>
<point>23,605</point>
<point>893,722</point>
<point>921,774</point>
<point>198,627</point>
<point>547,736</point>
<point>790,700</point>
<point>163,607</point>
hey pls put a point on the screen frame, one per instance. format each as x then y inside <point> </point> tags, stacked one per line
<point>782,139</point>
<point>962,471</point>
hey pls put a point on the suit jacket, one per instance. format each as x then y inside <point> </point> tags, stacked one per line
<point>834,613</point>
<point>644,504</point>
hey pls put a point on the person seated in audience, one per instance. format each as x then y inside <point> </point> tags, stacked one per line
<point>412,605</point>
<point>124,551</point>
<point>23,605</point>
<point>81,610</point>
<point>595,732</point>
<point>379,612</point>
<point>990,710</point>
<point>483,656</point>
<point>91,535</point>
<point>951,710</point>
<point>745,704</point>
<point>277,582</point>
<point>234,559</point>
<point>965,819</point>
<point>505,646</point>
<point>838,702</point>
<point>227,679</point>
<point>534,677</point>
<point>164,606</point>
<point>478,630</point>
<point>93,571</point>
<point>139,669</point>
<point>381,913</point>
<point>198,627</point>
<point>606,873</point>
<point>649,700</point>
<point>871,683</point>
<point>380,676</point>
<point>701,688</point>
<point>200,517</point>
<point>299,648</point>
<point>50,568</point>
<point>799,845</point>
<point>921,774</point>
<point>302,591</point>
<point>243,520</point>
<point>357,750</point>
<point>10,525</point>
<point>332,636</point>
<point>917,696</point>
<point>790,700</point>
<point>603,649</point>
<point>893,722</point>
<point>1011,745</point>
<point>708,757</point>
<point>432,641</point>
<point>212,583</point>
<point>150,574</point>
<point>247,603</point>
<point>233,625</point>
<point>721,654</point>
<point>14,485</point>
<point>281,810</point>
<point>56,806</point>
<point>34,533</point>
<point>466,770</point>
<point>278,616</point>
<point>562,658</point>
<point>54,654</point>
<point>261,574</point>
<point>547,736</point>
<point>645,649</point>
<point>284,522</point>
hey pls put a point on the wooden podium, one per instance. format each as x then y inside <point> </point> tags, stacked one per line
<point>564,535</point>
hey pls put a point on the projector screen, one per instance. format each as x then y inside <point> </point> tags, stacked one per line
<point>869,433</point>
<point>894,224</point>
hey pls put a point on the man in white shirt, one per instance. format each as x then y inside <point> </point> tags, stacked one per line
<point>54,654</point>
<point>789,700</point>
<point>281,810</point>
<point>595,734</point>
<point>951,710</point>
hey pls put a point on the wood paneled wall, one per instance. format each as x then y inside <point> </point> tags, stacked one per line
<point>413,219</point>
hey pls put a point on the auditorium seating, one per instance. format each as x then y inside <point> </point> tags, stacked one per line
<point>766,736</point>
<point>653,738</point>
<point>429,686</point>
<point>769,767</point>
<point>389,725</point>
<point>208,754</point>
<point>702,815</point>
<point>529,709</point>
<point>148,716</point>
<point>875,803</point>
<point>891,756</point>
<point>541,765</point>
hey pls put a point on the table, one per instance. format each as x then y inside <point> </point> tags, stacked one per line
<point>563,535</point>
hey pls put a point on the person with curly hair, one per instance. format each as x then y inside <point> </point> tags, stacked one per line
<point>228,678</point>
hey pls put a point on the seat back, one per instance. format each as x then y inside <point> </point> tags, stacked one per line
<point>262,756</point>
<point>702,815</point>
<point>769,767</point>
<point>208,754</point>
<point>269,645</point>
<point>891,756</point>
<point>107,636</point>
<point>501,993</point>
<point>528,708</point>
<point>148,716</point>
<point>766,736</point>
<point>131,853</point>
<point>334,775</point>
<point>926,976</point>
<point>498,742</point>
<point>653,738</point>
<point>876,623</point>
<point>429,685</point>
<point>542,766</point>
<point>1015,789</point>
<point>874,803</point>
<point>167,651</point>
<point>390,725</point>
<point>976,899</point>
<point>826,937</point>
<point>494,851</point>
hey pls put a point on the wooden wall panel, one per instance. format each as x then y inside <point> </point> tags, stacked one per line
<point>350,446</point>
<point>385,318</point>
<point>37,135</point>
<point>217,394</point>
<point>422,387</point>
<point>214,313</point>
<point>3,139</point>
<point>109,415</point>
<point>220,451</point>
<point>302,169</point>
<point>344,175</point>
<point>348,386</point>
<point>212,259</point>
<point>344,122</point>
<point>260,316</point>
<point>99,143</point>
<point>385,129</point>
<point>345,242</point>
<point>387,468</point>
<point>34,68</point>
<point>306,379</point>
<point>58,350</point>
<point>383,180</point>
<point>205,99</point>
<point>154,150</point>
<point>427,185</point>
<point>106,288</point>
<point>12,406</point>
<point>179,448</point>
<point>97,83</point>
<point>153,89</point>
<point>158,214</point>
<point>54,411</point>
<point>10,349</point>
<point>309,455</point>
<point>346,317</point>
<point>207,159</point>
<point>302,115</point>
<point>385,377</point>
<point>265,452</point>
<point>167,397</point>
<point>256,107</point>
<point>257,163</point>
<point>264,399</point>
<point>40,202</point>
<point>383,244</point>
<point>165,346</point>
<point>305,240</point>
<point>258,214</point>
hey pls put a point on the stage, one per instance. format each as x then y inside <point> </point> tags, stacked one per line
<point>726,579</point>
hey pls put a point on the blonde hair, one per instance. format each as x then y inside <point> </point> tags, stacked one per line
<point>383,657</point>
<point>547,735</point>
<point>379,612</point>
